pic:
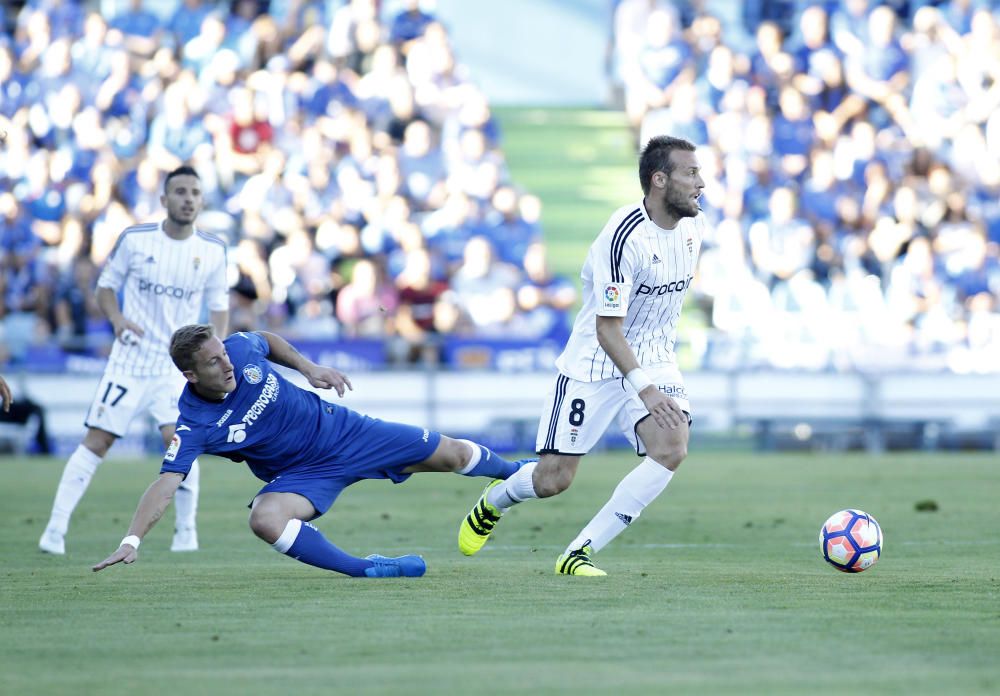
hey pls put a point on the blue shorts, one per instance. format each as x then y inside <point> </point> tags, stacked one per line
<point>382,451</point>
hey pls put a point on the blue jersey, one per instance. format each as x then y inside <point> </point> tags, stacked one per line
<point>266,421</point>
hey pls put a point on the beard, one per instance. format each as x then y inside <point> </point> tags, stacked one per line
<point>180,218</point>
<point>680,206</point>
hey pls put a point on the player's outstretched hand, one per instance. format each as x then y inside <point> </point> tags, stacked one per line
<point>662,408</point>
<point>126,553</point>
<point>329,378</point>
<point>5,395</point>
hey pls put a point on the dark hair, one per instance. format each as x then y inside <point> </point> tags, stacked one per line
<point>183,170</point>
<point>187,341</point>
<point>655,157</point>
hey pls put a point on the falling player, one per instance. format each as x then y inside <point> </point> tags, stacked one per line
<point>619,362</point>
<point>308,450</point>
<point>165,271</point>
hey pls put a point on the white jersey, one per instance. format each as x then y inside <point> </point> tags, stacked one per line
<point>639,271</point>
<point>164,282</point>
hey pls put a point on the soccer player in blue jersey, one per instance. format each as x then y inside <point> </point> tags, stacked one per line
<point>236,405</point>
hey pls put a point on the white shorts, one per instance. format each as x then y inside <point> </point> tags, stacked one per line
<point>577,414</point>
<point>120,398</point>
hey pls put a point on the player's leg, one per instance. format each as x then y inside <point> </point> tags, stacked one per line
<point>281,519</point>
<point>164,392</point>
<point>466,458</point>
<point>76,476</point>
<point>115,402</point>
<point>665,449</point>
<point>576,414</point>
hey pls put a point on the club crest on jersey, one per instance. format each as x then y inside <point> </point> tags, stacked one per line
<point>690,246</point>
<point>253,374</point>
<point>197,261</point>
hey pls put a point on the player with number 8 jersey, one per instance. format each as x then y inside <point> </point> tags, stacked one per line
<point>619,365</point>
<point>165,272</point>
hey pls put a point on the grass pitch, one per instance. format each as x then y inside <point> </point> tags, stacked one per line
<point>719,588</point>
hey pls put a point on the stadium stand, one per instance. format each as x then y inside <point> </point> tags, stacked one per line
<point>851,149</point>
<point>852,152</point>
<point>349,161</point>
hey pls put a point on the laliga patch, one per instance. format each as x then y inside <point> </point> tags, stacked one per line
<point>612,299</point>
<point>253,374</point>
<point>175,445</point>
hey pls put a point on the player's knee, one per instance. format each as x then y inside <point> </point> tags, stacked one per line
<point>98,441</point>
<point>669,456</point>
<point>266,524</point>
<point>457,454</point>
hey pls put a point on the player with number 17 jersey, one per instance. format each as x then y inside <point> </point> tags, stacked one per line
<point>163,282</point>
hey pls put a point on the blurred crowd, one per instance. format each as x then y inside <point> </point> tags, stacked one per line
<point>851,151</point>
<point>348,161</point>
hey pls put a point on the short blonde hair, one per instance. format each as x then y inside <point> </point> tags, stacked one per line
<point>187,341</point>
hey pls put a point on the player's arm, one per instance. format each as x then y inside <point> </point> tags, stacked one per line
<point>150,509</point>
<point>283,353</point>
<point>219,321</point>
<point>5,395</point>
<point>611,336</point>
<point>107,300</point>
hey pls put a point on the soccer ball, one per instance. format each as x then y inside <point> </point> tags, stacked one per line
<point>851,541</point>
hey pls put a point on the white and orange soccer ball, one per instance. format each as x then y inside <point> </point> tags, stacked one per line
<point>851,541</point>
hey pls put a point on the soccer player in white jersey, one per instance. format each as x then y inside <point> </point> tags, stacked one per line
<point>165,271</point>
<point>619,363</point>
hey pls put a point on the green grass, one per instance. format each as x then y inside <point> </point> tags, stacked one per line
<point>718,588</point>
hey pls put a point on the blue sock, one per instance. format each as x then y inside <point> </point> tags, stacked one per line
<point>488,463</point>
<point>305,543</point>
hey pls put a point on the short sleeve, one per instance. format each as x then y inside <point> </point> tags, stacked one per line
<point>613,267</point>
<point>255,342</point>
<point>184,448</point>
<point>116,269</point>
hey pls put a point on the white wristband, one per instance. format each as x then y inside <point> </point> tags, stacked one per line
<point>638,379</point>
<point>132,540</point>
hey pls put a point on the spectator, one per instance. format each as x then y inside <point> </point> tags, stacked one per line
<point>140,27</point>
<point>419,295</point>
<point>365,306</point>
<point>409,24</point>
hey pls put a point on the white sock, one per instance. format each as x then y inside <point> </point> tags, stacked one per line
<point>80,468</point>
<point>637,490</point>
<point>288,536</point>
<point>186,498</point>
<point>518,488</point>
<point>477,454</point>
